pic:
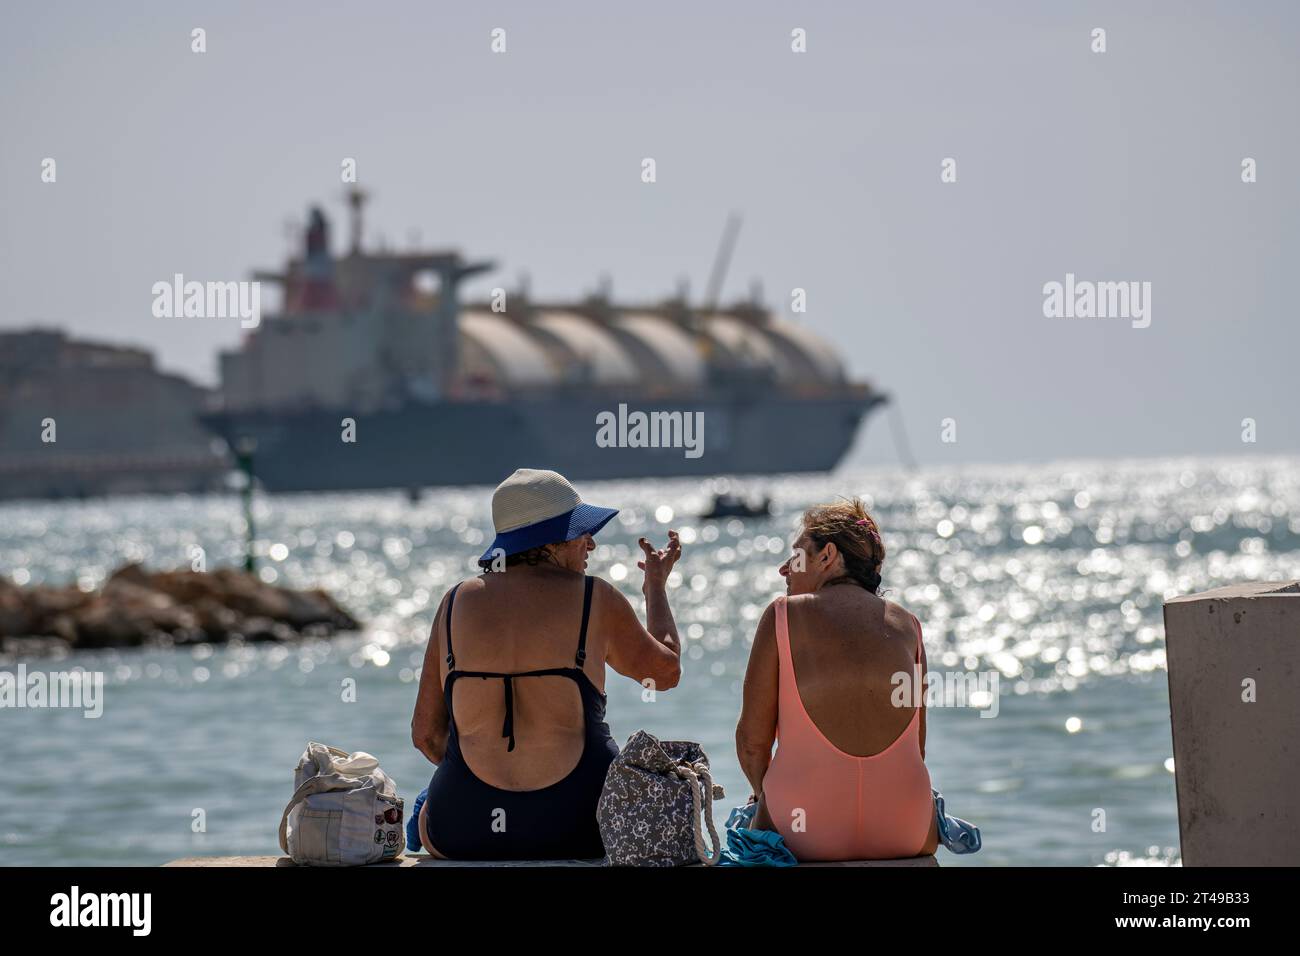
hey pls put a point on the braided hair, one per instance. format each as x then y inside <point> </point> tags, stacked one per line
<point>855,534</point>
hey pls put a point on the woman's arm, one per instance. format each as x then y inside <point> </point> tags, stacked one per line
<point>653,652</point>
<point>756,729</point>
<point>429,723</point>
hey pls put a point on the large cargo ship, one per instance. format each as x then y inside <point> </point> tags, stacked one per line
<point>374,374</point>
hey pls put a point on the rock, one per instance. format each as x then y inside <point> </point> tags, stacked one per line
<point>39,611</point>
<point>136,606</point>
<point>14,616</point>
<point>45,602</point>
<point>215,619</point>
<point>133,573</point>
<point>62,626</point>
<point>103,624</point>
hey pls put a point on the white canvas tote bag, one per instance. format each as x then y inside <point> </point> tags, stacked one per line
<point>345,811</point>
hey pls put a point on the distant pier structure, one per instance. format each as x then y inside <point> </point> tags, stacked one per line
<point>80,419</point>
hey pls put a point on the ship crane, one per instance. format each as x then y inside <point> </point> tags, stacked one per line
<point>721,262</point>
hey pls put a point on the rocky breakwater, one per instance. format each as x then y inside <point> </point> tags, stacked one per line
<point>137,607</point>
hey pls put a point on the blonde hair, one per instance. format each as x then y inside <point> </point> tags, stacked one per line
<point>855,534</point>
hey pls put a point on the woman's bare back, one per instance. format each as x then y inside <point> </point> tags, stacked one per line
<point>847,645</point>
<point>524,620</point>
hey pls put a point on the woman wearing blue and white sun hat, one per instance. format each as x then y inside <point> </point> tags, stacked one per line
<point>522,752</point>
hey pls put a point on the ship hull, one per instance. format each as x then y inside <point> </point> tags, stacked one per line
<point>469,443</point>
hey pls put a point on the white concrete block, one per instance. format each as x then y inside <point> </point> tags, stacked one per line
<point>1234,695</point>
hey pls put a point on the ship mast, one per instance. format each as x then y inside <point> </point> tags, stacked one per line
<point>356,199</point>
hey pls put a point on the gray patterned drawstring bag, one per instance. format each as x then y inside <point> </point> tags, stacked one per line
<point>657,801</point>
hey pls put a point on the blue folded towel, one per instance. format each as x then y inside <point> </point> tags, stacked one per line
<point>956,834</point>
<point>746,847</point>
<point>413,844</point>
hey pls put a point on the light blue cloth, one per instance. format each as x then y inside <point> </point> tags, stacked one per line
<point>413,844</point>
<point>746,847</point>
<point>956,834</point>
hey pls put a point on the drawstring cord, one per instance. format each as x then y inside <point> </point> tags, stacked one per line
<point>697,775</point>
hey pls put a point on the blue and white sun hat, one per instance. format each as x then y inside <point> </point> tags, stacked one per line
<point>534,507</point>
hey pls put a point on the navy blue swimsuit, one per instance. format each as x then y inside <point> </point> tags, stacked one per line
<point>472,820</point>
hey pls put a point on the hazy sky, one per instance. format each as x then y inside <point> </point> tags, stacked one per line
<point>1115,166</point>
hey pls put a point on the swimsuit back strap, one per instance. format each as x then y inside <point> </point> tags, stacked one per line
<point>508,679</point>
<point>508,727</point>
<point>586,615</point>
<point>451,600</point>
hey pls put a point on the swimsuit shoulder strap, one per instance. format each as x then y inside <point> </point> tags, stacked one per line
<point>782,629</point>
<point>451,601</point>
<point>581,656</point>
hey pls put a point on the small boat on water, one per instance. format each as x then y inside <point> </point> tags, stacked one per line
<point>733,506</point>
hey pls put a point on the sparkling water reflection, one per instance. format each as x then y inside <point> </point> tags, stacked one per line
<point>1053,576</point>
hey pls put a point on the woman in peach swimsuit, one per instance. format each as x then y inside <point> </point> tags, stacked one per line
<point>848,780</point>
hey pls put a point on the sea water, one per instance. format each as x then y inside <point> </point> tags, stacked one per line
<point>1050,576</point>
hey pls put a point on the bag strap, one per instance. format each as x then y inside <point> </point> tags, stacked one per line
<point>318,784</point>
<point>698,776</point>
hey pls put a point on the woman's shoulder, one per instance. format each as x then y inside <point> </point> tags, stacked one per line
<point>470,585</point>
<point>896,612</point>
<point>461,590</point>
<point>602,586</point>
<point>793,603</point>
<point>606,598</point>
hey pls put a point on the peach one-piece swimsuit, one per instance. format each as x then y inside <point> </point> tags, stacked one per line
<point>830,805</point>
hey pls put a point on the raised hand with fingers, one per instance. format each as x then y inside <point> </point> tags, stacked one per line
<point>657,563</point>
